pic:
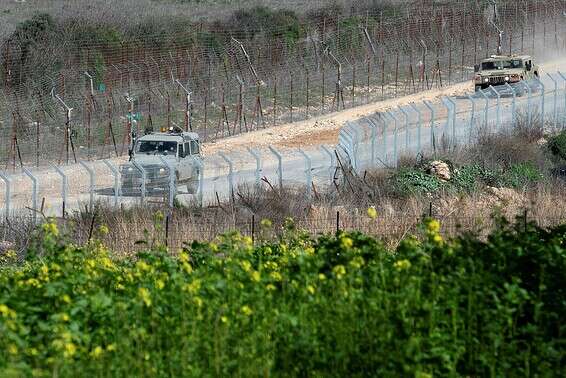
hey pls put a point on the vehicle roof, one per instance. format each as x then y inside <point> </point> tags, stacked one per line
<point>168,136</point>
<point>495,58</point>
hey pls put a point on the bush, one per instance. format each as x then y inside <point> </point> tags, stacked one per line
<point>409,181</point>
<point>521,175</point>
<point>339,305</point>
<point>557,145</point>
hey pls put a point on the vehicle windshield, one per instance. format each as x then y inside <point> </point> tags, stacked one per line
<point>502,64</point>
<point>155,147</point>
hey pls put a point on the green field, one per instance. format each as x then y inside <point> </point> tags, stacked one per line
<point>338,305</point>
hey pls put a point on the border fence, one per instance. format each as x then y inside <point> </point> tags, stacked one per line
<point>221,83</point>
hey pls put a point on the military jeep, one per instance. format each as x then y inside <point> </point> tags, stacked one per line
<point>180,150</point>
<point>504,69</point>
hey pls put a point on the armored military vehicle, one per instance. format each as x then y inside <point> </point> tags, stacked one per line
<point>502,69</point>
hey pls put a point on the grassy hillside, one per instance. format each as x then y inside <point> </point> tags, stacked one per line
<point>336,305</point>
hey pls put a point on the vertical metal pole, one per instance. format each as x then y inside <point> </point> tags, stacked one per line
<point>350,150</point>
<point>332,161</point>
<point>63,189</point>
<point>33,192</point>
<point>384,136</point>
<point>308,171</point>
<point>116,174</point>
<point>448,117</point>
<point>498,104</point>
<point>373,127</point>
<point>486,109</point>
<point>454,110</point>
<point>542,93</point>
<point>406,116</point>
<point>529,99</point>
<point>564,111</point>
<point>7,195</point>
<point>432,120</point>
<point>171,180</point>
<point>230,173</point>
<point>555,97</point>
<point>279,165</point>
<point>419,126</point>
<point>144,179</point>
<point>513,104</point>
<point>395,137</point>
<point>91,184</point>
<point>200,181</point>
<point>472,117</point>
<point>257,158</point>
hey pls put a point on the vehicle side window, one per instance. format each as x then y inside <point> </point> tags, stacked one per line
<point>195,148</point>
<point>187,149</point>
<point>528,65</point>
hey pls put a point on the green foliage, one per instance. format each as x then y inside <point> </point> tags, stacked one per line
<point>338,305</point>
<point>409,181</point>
<point>521,175</point>
<point>557,145</point>
<point>32,30</point>
<point>250,22</point>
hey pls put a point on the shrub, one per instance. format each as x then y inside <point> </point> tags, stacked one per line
<point>409,181</point>
<point>521,175</point>
<point>338,305</point>
<point>557,145</point>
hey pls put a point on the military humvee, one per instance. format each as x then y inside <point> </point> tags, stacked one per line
<point>502,69</point>
<point>180,149</point>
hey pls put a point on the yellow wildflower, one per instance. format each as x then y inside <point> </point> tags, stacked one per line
<point>357,262</point>
<point>198,301</point>
<point>70,350</point>
<point>310,290</point>
<point>433,226</point>
<point>224,319</point>
<point>183,257</point>
<point>103,230</point>
<point>266,223</point>
<point>6,312</point>
<point>111,347</point>
<point>372,212</point>
<point>143,266</point>
<point>12,349</point>
<point>192,287</point>
<point>437,239</point>
<point>309,251</point>
<point>96,352</point>
<point>256,276</point>
<point>159,284</point>
<point>32,352</point>
<point>143,293</point>
<point>187,267</point>
<point>247,240</point>
<point>246,310</point>
<point>64,317</point>
<point>321,276</point>
<point>276,276</point>
<point>339,271</point>
<point>270,287</point>
<point>402,264</point>
<point>346,242</point>
<point>50,228</point>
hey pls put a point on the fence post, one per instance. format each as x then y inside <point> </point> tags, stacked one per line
<point>332,161</point>
<point>486,108</point>
<point>64,182</point>
<point>432,120</point>
<point>498,104</point>
<point>513,104</point>
<point>406,117</point>
<point>448,116</point>
<point>355,140</point>
<point>230,173</point>
<point>564,79</point>
<point>373,127</point>
<point>395,135</point>
<point>554,108</point>
<point>529,100</point>
<point>257,158</point>
<point>351,150</point>
<point>116,175</point>
<point>90,183</point>
<point>8,194</point>
<point>542,110</point>
<point>200,180</point>
<point>472,117</point>
<point>33,192</point>
<point>419,126</point>
<point>384,136</point>
<point>308,171</point>
<point>279,165</point>
<point>454,107</point>
<point>171,181</point>
<point>144,177</point>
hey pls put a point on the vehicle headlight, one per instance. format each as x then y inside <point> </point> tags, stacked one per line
<point>161,170</point>
<point>486,80</point>
<point>506,78</point>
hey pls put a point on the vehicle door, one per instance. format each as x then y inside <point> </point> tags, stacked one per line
<point>183,166</point>
<point>196,158</point>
